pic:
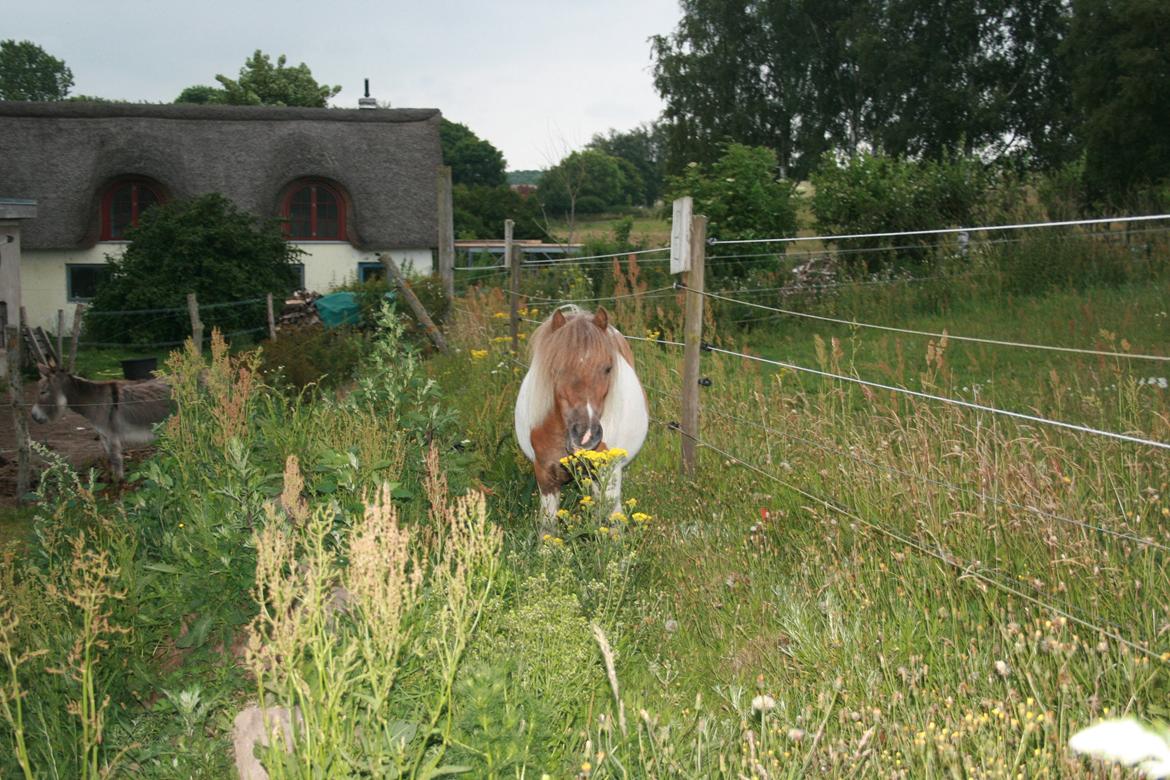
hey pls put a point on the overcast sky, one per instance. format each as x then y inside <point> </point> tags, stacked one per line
<point>534,78</point>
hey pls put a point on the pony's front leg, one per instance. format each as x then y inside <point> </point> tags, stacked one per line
<point>612,488</point>
<point>549,504</point>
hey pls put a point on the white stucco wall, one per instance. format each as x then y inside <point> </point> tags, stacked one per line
<point>327,265</point>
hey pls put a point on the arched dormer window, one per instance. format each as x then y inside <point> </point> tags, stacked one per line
<point>314,211</point>
<point>123,203</point>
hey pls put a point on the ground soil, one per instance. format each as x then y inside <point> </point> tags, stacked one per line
<point>70,435</point>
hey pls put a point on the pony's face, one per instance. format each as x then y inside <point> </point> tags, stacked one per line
<point>583,379</point>
<point>51,399</point>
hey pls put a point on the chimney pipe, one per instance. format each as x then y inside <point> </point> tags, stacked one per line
<point>367,101</point>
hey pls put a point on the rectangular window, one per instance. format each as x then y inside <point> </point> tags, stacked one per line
<point>368,271</point>
<point>298,275</point>
<point>82,281</point>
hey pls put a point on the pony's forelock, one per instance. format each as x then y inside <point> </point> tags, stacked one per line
<point>552,350</point>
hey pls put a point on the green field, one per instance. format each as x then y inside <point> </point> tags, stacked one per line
<point>854,583</point>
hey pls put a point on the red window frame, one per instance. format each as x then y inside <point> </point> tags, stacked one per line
<point>136,186</point>
<point>315,188</point>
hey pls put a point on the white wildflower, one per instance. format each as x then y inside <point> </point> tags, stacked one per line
<point>763,703</point>
<point>1127,742</point>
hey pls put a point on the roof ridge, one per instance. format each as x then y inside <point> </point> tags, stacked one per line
<point>76,109</point>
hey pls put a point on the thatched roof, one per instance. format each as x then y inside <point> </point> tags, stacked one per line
<point>63,154</point>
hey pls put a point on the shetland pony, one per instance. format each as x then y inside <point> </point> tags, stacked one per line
<point>122,412</point>
<point>580,393</point>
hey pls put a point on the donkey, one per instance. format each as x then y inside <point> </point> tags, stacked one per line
<point>122,412</point>
<point>580,392</point>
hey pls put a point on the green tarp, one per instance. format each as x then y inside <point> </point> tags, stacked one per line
<point>339,308</point>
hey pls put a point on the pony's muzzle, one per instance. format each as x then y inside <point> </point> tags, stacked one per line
<point>38,415</point>
<point>584,436</point>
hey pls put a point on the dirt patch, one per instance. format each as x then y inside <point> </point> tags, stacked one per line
<point>70,436</point>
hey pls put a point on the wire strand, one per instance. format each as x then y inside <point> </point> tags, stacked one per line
<point>912,332</point>
<point>656,292</point>
<point>942,231</point>
<point>936,482</point>
<point>968,570</point>
<point>944,399</point>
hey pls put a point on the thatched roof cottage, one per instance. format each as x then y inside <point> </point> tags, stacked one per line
<point>350,183</point>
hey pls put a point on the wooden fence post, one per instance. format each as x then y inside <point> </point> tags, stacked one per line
<point>271,320</point>
<point>12,339</point>
<point>394,274</point>
<point>446,231</point>
<point>61,339</point>
<point>77,317</point>
<point>692,279</point>
<point>512,260</point>
<point>196,323</point>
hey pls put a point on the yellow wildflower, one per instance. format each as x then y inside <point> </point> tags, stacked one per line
<point>621,518</point>
<point>586,500</point>
<point>603,530</point>
<point>501,315</point>
<point>631,502</point>
<point>478,354</point>
<point>641,517</point>
<point>563,513</point>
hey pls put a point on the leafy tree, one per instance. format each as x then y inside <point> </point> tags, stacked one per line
<point>473,160</point>
<point>875,193</point>
<point>643,149</point>
<point>28,72</point>
<point>741,196</point>
<point>587,181</point>
<point>204,245</point>
<point>261,83</point>
<point>906,77</point>
<point>480,212</point>
<point>1122,87</point>
<point>202,94</point>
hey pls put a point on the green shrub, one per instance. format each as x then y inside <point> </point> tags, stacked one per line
<point>876,193</point>
<point>480,211</point>
<point>326,357</point>
<point>742,198</point>
<point>204,245</point>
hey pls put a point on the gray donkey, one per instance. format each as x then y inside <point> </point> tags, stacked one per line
<point>123,412</point>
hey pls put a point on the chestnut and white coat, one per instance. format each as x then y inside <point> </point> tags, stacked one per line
<point>581,392</point>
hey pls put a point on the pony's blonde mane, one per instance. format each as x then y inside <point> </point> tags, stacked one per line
<point>551,349</point>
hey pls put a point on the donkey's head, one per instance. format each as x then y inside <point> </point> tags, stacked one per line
<point>51,396</point>
<point>582,358</point>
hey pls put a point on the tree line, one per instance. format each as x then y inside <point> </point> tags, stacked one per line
<point>1035,84</point>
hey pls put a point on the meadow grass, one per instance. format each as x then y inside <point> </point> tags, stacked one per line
<point>853,584</point>
<point>969,592</point>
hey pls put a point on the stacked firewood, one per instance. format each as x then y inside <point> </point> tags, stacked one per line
<point>299,311</point>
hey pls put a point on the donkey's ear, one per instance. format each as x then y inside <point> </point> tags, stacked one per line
<point>558,320</point>
<point>45,370</point>
<point>601,318</point>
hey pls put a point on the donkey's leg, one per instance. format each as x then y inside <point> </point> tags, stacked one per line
<point>113,447</point>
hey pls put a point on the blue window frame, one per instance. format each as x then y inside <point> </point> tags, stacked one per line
<point>368,271</point>
<point>82,281</point>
